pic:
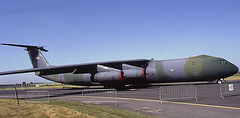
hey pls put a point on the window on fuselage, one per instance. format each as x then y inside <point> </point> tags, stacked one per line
<point>223,62</point>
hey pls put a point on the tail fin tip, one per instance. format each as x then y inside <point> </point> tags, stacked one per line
<point>28,47</point>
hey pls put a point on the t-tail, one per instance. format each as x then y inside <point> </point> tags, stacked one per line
<point>35,55</point>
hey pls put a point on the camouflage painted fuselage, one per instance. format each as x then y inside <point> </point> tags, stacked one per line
<point>198,68</point>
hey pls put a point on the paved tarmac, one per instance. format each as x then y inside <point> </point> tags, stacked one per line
<point>146,100</point>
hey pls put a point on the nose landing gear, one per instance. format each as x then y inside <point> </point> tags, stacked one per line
<point>219,81</point>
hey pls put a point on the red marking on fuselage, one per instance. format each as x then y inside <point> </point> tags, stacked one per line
<point>144,73</point>
<point>121,77</point>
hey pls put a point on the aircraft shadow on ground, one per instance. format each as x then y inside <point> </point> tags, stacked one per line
<point>127,88</point>
<point>66,93</point>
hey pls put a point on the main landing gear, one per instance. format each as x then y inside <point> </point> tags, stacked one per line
<point>117,87</point>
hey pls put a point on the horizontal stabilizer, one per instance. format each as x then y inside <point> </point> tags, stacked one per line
<point>29,47</point>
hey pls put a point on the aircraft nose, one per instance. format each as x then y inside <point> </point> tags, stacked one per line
<point>230,69</point>
<point>234,69</point>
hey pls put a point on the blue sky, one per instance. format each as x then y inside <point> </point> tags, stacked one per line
<point>79,31</point>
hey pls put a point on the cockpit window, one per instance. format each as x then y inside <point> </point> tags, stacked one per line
<point>223,62</point>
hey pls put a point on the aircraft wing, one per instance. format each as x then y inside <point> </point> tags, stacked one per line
<point>80,68</point>
<point>21,71</point>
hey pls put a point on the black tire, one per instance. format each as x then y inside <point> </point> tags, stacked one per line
<point>219,81</point>
<point>120,87</point>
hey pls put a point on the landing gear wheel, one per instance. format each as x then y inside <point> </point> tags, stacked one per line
<point>107,87</point>
<point>219,81</point>
<point>119,87</point>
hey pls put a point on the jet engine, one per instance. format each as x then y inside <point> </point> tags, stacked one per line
<point>134,73</point>
<point>110,76</point>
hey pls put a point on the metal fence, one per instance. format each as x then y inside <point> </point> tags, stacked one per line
<point>177,92</point>
<point>228,89</point>
<point>16,85</point>
<point>99,96</point>
<point>37,96</point>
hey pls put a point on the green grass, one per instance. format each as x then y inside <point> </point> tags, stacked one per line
<point>233,78</point>
<point>10,110</point>
<point>62,109</point>
<point>100,111</point>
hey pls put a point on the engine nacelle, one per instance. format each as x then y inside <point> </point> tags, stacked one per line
<point>131,75</point>
<point>134,74</point>
<point>111,76</point>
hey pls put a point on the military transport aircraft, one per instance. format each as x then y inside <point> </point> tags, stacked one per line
<point>117,74</point>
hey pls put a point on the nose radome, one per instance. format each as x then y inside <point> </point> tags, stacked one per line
<point>235,69</point>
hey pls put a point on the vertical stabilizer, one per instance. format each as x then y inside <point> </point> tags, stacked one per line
<point>35,55</point>
<point>37,58</point>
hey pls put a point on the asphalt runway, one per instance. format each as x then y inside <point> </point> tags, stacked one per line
<point>145,99</point>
